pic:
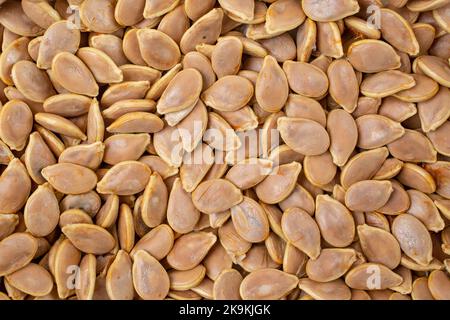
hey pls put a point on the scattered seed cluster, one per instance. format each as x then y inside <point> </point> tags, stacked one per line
<point>322,128</point>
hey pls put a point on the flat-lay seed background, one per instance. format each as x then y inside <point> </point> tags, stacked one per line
<point>229,149</point>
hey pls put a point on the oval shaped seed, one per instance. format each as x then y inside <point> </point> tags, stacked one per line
<point>330,265</point>
<point>32,279</point>
<point>157,49</point>
<point>218,259</point>
<point>182,216</point>
<point>233,243</point>
<point>16,123</point>
<point>298,106</point>
<point>434,112</point>
<point>371,56</point>
<point>150,279</point>
<point>249,172</point>
<point>67,105</point>
<point>229,93</point>
<point>123,147</point>
<point>95,126</point>
<point>250,220</point>
<point>436,68</point>
<point>398,32</point>
<point>439,138</point>
<point>125,178</point>
<point>363,166</point>
<point>335,222</point>
<point>375,131</point>
<point>440,171</point>
<point>272,87</point>
<point>359,277</point>
<point>13,53</point>
<point>439,285</point>
<point>379,246</point>
<point>108,213</point>
<point>226,286</point>
<point>416,177</point>
<point>330,11</point>
<point>126,228</point>
<point>420,290</point>
<point>168,146</point>
<point>425,89</point>
<point>314,85</point>
<point>386,83</point>
<point>119,279</point>
<point>329,40</point>
<point>190,249</point>
<point>319,170</point>
<point>267,284</point>
<point>32,82</point>
<point>87,278</point>
<point>103,68</point>
<point>413,238</point>
<point>13,17</point>
<point>154,201</point>
<point>368,195</point>
<point>88,155</point>
<point>15,186</point>
<point>136,122</point>
<point>343,135</point>
<point>283,16</point>
<point>423,208</point>
<point>226,56</point>
<point>16,251</point>
<point>82,81</point>
<point>123,107</point>
<point>422,151</point>
<point>158,242</point>
<point>398,202</point>
<point>59,125</point>
<point>205,196</point>
<point>279,184</point>
<point>98,16</point>
<point>302,231</point>
<point>70,178</point>
<point>41,213</point>
<point>8,223</point>
<point>304,136</point>
<point>299,198</point>
<point>182,92</point>
<point>344,87</point>
<point>59,37</point>
<point>89,238</point>
<point>205,30</point>
<point>65,256</point>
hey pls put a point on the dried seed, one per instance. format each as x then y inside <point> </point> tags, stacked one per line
<point>125,178</point>
<point>298,133</point>
<point>413,238</point>
<point>190,249</point>
<point>267,284</point>
<point>150,279</point>
<point>70,178</point>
